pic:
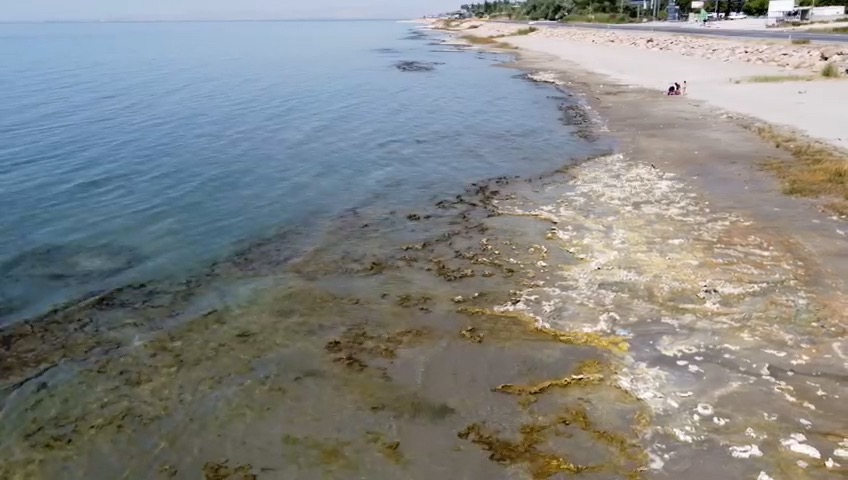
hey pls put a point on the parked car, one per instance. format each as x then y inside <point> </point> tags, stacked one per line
<point>737,16</point>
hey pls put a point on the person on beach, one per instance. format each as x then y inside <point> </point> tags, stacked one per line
<point>674,89</point>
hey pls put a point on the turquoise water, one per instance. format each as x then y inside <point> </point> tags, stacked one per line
<point>140,151</point>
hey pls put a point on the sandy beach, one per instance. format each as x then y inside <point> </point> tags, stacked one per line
<point>720,83</point>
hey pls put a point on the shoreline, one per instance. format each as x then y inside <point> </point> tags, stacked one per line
<point>721,171</point>
<point>757,90</point>
<point>616,317</point>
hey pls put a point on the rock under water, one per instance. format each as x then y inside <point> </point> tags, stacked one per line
<point>70,263</point>
<point>408,66</point>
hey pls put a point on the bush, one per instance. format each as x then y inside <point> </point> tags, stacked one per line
<point>830,70</point>
<point>600,18</point>
<point>800,41</point>
<point>525,31</point>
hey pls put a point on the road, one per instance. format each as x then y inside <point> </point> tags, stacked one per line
<point>762,34</point>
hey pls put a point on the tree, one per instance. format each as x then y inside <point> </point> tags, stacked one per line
<point>755,8</point>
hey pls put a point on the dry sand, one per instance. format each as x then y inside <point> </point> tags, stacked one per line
<point>811,107</point>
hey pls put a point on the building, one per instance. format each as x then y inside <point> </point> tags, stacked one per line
<point>789,10</point>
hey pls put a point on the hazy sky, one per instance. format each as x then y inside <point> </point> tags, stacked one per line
<point>36,10</point>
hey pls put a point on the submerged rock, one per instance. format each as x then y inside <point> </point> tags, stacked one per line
<point>71,263</point>
<point>416,35</point>
<point>416,66</point>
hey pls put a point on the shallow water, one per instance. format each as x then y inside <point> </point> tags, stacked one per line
<point>279,258</point>
<point>142,151</point>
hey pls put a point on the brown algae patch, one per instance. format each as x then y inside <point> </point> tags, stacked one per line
<point>570,381</point>
<point>536,446</point>
<point>390,449</point>
<point>817,170</point>
<point>326,454</point>
<point>524,451</point>
<point>587,373</point>
<point>222,471</point>
<point>471,334</point>
<point>356,341</point>
<point>626,456</point>
<point>610,343</point>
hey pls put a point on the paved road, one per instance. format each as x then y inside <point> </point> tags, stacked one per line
<point>766,34</point>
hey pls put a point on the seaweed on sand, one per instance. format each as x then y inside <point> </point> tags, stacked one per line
<point>388,448</point>
<point>612,343</point>
<point>818,170</point>
<point>356,342</point>
<point>329,454</point>
<point>222,471</point>
<point>525,451</point>
<point>571,380</point>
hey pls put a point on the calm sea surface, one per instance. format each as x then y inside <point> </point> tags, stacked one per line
<point>136,151</point>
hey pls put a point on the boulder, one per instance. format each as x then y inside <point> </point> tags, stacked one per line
<point>831,51</point>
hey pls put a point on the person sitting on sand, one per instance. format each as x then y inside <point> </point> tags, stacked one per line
<point>675,89</point>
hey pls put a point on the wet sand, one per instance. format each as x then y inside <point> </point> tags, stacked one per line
<point>659,311</point>
<point>732,293</point>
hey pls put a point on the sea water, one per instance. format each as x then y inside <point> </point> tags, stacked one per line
<point>235,249</point>
<point>131,152</point>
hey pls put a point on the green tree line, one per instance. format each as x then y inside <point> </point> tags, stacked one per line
<point>610,9</point>
<point>546,9</point>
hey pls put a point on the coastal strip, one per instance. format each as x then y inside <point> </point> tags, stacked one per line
<point>685,244</point>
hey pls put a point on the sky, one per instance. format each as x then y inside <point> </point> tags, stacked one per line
<point>74,10</point>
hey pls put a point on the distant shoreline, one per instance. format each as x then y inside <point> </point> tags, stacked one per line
<point>246,20</point>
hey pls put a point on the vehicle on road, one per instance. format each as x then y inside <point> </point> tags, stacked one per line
<point>737,16</point>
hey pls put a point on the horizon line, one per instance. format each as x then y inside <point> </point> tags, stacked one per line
<point>208,20</point>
